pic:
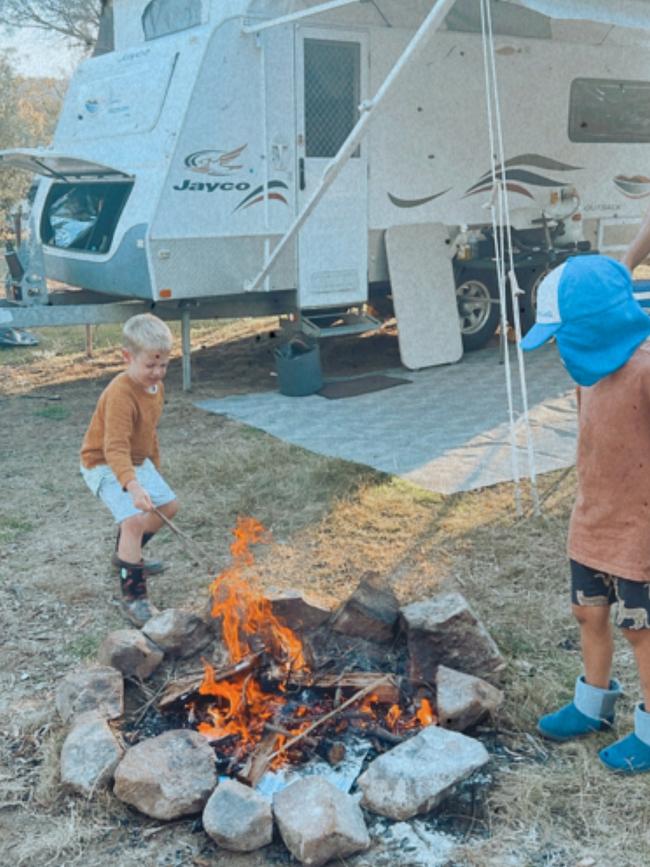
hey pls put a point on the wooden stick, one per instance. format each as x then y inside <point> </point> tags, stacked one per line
<point>180,690</point>
<point>358,695</point>
<point>278,730</point>
<point>191,546</point>
<point>258,761</point>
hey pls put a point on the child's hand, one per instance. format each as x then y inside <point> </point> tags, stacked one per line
<point>140,497</point>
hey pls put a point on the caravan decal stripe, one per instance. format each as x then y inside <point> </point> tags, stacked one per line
<point>536,161</point>
<point>277,196</point>
<point>415,203</point>
<point>271,185</point>
<point>525,178</point>
<point>512,188</point>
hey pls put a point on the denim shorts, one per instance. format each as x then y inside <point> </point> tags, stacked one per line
<point>631,598</point>
<point>102,482</point>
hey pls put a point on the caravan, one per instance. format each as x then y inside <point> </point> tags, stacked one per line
<point>191,166</point>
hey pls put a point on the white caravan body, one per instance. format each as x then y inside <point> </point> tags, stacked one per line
<point>180,160</point>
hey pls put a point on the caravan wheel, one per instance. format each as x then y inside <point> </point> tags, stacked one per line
<point>478,309</point>
<point>529,284</point>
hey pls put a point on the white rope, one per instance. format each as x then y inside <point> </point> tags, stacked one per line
<point>514,285</point>
<point>501,225</point>
<point>495,211</point>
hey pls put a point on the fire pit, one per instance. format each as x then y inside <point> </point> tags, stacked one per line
<point>284,696</point>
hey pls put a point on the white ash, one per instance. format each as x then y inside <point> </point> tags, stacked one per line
<point>405,844</point>
<point>343,775</point>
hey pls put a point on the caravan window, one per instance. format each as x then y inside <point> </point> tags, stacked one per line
<point>162,17</point>
<point>83,216</point>
<point>332,94</point>
<point>609,110</point>
<point>507,19</point>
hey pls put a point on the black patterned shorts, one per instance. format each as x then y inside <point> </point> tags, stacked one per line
<point>589,587</point>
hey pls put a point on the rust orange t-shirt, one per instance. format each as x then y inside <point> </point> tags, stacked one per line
<point>610,522</point>
<point>122,432</point>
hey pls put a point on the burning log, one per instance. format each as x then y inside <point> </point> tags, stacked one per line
<point>387,687</point>
<point>279,730</point>
<point>382,734</point>
<point>258,761</point>
<point>373,687</point>
<point>179,691</point>
<point>332,751</point>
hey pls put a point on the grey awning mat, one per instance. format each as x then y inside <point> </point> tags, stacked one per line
<point>447,432</point>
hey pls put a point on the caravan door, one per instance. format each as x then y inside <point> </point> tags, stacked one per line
<point>331,79</point>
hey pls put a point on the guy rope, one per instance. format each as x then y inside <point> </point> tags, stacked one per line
<point>500,214</point>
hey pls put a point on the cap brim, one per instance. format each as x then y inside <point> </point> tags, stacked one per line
<point>538,335</point>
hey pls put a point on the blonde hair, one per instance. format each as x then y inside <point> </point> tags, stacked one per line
<point>145,332</point>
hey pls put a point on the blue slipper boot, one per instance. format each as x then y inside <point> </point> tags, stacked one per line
<point>568,723</point>
<point>631,755</point>
<point>592,710</point>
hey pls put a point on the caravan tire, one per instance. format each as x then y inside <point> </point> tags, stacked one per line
<point>529,284</point>
<point>477,296</point>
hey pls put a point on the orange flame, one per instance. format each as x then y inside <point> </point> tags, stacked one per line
<point>248,624</point>
<point>241,708</point>
<point>425,714</point>
<point>245,613</point>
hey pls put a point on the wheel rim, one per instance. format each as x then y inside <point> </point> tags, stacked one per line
<point>534,290</point>
<point>474,306</point>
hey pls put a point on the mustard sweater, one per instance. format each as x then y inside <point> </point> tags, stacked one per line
<point>122,431</point>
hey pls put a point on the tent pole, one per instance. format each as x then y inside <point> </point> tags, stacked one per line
<point>430,24</point>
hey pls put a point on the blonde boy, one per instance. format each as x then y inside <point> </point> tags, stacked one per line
<point>120,457</point>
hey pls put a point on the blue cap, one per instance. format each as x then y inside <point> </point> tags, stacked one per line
<point>587,304</point>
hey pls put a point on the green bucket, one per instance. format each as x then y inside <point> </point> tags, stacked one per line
<point>298,367</point>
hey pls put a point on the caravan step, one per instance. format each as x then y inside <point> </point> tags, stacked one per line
<point>335,323</point>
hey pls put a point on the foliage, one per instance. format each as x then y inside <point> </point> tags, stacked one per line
<point>76,20</point>
<point>28,111</point>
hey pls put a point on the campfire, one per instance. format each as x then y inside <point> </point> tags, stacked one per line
<point>286,705</point>
<point>269,706</point>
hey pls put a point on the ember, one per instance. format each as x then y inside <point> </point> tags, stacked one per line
<point>267,706</point>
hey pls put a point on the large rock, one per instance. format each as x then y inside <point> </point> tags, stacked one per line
<point>90,754</point>
<point>168,776</point>
<point>318,822</point>
<point>178,633</point>
<point>130,652</point>
<point>371,612</point>
<point>418,774</point>
<point>99,688</point>
<point>297,610</point>
<point>238,818</point>
<point>462,699</point>
<point>444,631</point>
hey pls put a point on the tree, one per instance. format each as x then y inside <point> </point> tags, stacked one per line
<point>28,112</point>
<point>76,20</point>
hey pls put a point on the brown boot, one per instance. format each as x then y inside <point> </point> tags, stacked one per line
<point>133,585</point>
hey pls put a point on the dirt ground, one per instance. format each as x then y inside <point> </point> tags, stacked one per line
<point>330,521</point>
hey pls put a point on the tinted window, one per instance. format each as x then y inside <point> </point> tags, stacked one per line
<point>167,16</point>
<point>507,19</point>
<point>609,110</point>
<point>83,216</point>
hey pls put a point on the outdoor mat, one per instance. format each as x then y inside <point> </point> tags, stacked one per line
<point>360,385</point>
<point>447,432</point>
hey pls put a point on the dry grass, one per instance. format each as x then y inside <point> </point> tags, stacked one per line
<point>331,521</point>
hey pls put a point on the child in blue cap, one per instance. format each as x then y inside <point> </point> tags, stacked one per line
<point>601,334</point>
